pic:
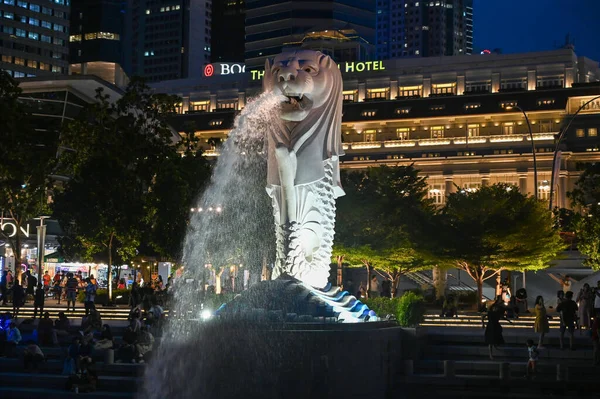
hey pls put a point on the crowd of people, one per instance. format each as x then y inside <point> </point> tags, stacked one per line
<point>575,313</point>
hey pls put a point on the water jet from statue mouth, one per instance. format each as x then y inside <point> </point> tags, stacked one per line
<point>296,102</point>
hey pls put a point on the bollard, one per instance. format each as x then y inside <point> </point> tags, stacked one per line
<point>409,368</point>
<point>109,356</point>
<point>504,371</point>
<point>448,368</point>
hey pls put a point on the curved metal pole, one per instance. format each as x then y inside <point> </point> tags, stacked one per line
<point>562,134</point>
<point>535,173</point>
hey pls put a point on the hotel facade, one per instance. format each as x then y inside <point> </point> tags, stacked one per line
<point>459,120</point>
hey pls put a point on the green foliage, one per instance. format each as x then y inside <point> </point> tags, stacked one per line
<point>102,297</point>
<point>587,187</point>
<point>588,237</point>
<point>379,220</point>
<point>408,309</point>
<point>411,309</point>
<point>28,158</point>
<point>492,229</point>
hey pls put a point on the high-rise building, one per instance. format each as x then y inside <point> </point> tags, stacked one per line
<point>97,40</point>
<point>344,29</point>
<point>170,39</point>
<point>409,28</point>
<point>228,30</point>
<point>34,37</point>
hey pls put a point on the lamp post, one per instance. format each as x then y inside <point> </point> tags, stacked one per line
<point>535,173</point>
<point>561,135</point>
<point>41,238</point>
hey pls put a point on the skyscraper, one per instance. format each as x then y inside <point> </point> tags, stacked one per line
<point>409,28</point>
<point>98,41</point>
<point>344,29</point>
<point>169,39</point>
<point>34,37</point>
<point>228,33</point>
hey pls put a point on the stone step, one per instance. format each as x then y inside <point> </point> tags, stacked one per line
<point>57,381</point>
<point>55,366</point>
<point>31,393</point>
<point>445,351</point>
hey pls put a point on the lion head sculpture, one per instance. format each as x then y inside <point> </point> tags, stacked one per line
<point>310,83</point>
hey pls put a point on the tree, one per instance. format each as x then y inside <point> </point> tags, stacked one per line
<point>586,197</point>
<point>28,158</point>
<point>492,229</point>
<point>379,221</point>
<point>117,150</point>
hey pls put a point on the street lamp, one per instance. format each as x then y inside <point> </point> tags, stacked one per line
<point>535,173</point>
<point>561,135</point>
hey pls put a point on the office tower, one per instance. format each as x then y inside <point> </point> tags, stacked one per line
<point>344,29</point>
<point>411,28</point>
<point>97,40</point>
<point>34,37</point>
<point>228,33</point>
<point>170,39</point>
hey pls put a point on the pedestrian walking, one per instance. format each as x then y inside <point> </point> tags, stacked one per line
<point>4,287</point>
<point>493,330</point>
<point>568,310</point>
<point>584,302</point>
<point>533,358</point>
<point>541,325</point>
<point>71,291</point>
<point>31,284</point>
<point>38,300</point>
<point>57,290</point>
<point>18,298</point>
<point>90,296</point>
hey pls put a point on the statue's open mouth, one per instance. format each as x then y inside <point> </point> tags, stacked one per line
<point>296,102</point>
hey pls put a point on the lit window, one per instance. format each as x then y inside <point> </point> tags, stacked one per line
<point>19,61</point>
<point>46,39</point>
<point>580,133</point>
<point>508,104</point>
<point>216,122</point>
<point>369,113</point>
<point>508,128</point>
<point>592,132</point>
<point>33,36</point>
<point>545,101</point>
<point>473,130</point>
<point>22,4</point>
<point>409,91</point>
<point>378,93</point>
<point>102,35</point>
<point>349,95</point>
<point>9,15</point>
<point>32,64</point>
<point>402,133</point>
<point>58,28</point>
<point>46,24</point>
<point>21,33</point>
<point>75,38</point>
<point>438,107</point>
<point>403,111</point>
<point>34,7</point>
<point>437,193</point>
<point>369,135</point>
<point>472,106</point>
<point>7,58</point>
<point>437,132</point>
<point>34,22</point>
<point>148,12</point>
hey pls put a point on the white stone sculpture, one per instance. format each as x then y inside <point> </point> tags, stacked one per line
<point>303,162</point>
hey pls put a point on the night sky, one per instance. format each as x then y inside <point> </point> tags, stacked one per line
<point>517,26</point>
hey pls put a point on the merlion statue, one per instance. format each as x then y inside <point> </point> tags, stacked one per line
<point>303,178</point>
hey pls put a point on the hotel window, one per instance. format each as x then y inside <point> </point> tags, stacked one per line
<point>350,95</point>
<point>444,88</point>
<point>9,15</point>
<point>473,130</point>
<point>580,133</point>
<point>592,132</point>
<point>513,84</point>
<point>410,91</point>
<point>369,113</point>
<point>34,21</point>
<point>33,36</point>
<point>46,39</point>
<point>226,105</point>
<point>75,38</point>
<point>544,190</point>
<point>402,133</point>
<point>178,108</point>
<point>369,135</point>
<point>7,58</point>
<point>46,24</point>
<point>508,104</point>
<point>472,106</point>
<point>437,132</point>
<point>550,81</point>
<point>21,33</point>
<point>19,61</point>
<point>438,107</point>
<point>44,66</point>
<point>478,87</point>
<point>545,126</point>
<point>437,193</point>
<point>32,64</point>
<point>402,111</point>
<point>508,128</point>
<point>381,94</point>
<point>545,101</point>
<point>102,35</point>
<point>199,105</point>
<point>471,187</point>
<point>216,122</point>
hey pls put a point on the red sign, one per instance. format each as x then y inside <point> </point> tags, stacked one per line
<point>209,70</point>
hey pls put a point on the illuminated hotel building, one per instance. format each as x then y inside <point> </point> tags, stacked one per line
<point>34,37</point>
<point>454,118</point>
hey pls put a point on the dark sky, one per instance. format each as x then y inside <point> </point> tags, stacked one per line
<point>517,26</point>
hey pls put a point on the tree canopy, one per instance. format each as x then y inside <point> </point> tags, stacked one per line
<point>492,229</point>
<point>380,220</point>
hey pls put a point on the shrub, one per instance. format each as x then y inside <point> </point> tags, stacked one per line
<point>383,306</point>
<point>410,310</point>
<point>102,296</point>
